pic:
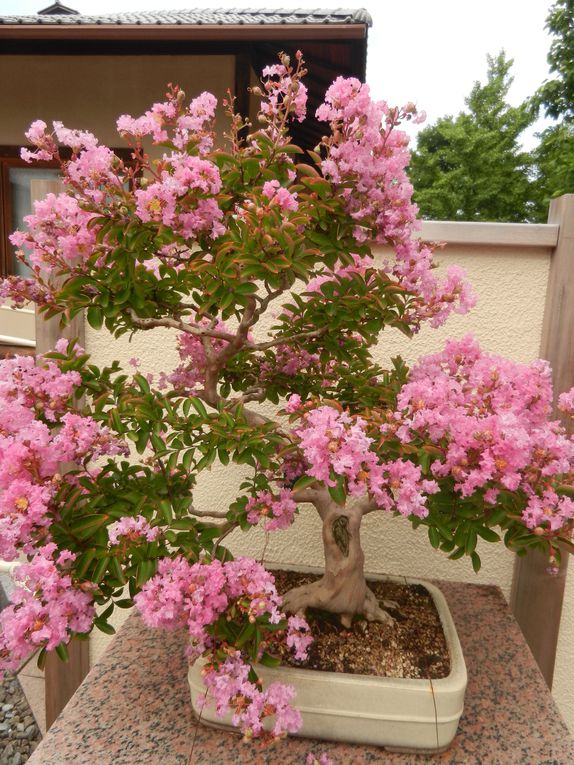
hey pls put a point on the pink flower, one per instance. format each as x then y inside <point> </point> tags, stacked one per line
<point>280,196</point>
<point>293,403</point>
<point>279,511</point>
<point>133,530</point>
<point>45,608</point>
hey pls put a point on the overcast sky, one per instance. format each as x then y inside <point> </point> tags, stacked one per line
<point>427,51</point>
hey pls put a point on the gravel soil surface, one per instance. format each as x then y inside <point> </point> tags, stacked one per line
<point>413,646</point>
<point>19,734</point>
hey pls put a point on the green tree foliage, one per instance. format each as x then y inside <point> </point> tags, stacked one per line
<point>557,95</point>
<point>554,156</point>
<point>472,167</point>
<point>554,165</point>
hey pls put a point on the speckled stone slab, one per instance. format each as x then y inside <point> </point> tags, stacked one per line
<point>134,706</point>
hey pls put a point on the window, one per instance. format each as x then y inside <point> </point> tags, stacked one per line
<point>16,202</point>
<point>15,178</point>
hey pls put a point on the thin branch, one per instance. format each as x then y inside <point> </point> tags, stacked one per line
<point>251,394</point>
<point>289,338</point>
<point>182,326</point>
<point>207,514</point>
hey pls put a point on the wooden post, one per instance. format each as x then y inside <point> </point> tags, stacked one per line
<point>536,598</point>
<point>61,678</point>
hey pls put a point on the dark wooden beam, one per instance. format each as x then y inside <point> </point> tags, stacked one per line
<point>536,597</point>
<point>207,32</point>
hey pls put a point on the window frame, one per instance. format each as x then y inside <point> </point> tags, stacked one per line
<point>10,158</point>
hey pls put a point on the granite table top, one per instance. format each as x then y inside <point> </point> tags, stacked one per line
<point>134,708</point>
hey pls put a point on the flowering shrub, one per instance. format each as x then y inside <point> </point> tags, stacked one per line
<point>98,466</point>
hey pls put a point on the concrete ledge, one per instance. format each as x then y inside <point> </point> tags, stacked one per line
<point>491,234</point>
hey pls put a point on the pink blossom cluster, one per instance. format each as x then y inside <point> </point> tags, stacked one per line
<point>367,150</point>
<point>93,171</point>
<point>489,417</point>
<point>283,91</point>
<point>549,510</point>
<point>278,511</point>
<point>289,360</point>
<point>45,146</point>
<point>196,596</point>
<point>36,434</point>
<point>566,402</point>
<point>182,198</point>
<point>231,691</point>
<point>132,530</point>
<point>20,291</point>
<point>191,124</point>
<point>334,442</point>
<point>280,196</point>
<point>45,608</point>
<point>299,637</point>
<point>398,486</point>
<point>191,374</point>
<point>59,234</point>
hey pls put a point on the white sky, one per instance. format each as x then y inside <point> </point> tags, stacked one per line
<point>426,51</point>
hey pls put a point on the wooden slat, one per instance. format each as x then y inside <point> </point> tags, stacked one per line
<point>536,597</point>
<point>62,679</point>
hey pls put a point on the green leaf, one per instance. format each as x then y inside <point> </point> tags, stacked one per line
<point>434,537</point>
<point>142,383</point>
<point>103,626</point>
<point>142,439</point>
<point>100,570</point>
<point>303,482</point>
<point>475,558</point>
<point>117,571</point>
<point>488,534</point>
<point>41,660</point>
<point>199,407</point>
<point>86,527</point>
<point>166,510</point>
<point>269,661</point>
<point>95,316</point>
<point>62,652</point>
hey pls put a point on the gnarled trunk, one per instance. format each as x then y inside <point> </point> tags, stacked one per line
<point>342,589</point>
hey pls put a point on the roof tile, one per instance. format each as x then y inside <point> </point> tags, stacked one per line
<point>200,16</point>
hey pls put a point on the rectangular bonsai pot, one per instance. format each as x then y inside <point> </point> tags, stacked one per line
<point>391,712</point>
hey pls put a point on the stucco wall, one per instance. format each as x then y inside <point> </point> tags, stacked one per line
<point>510,282</point>
<point>90,92</point>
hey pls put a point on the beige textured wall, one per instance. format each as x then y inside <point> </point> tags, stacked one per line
<point>510,282</point>
<point>90,92</point>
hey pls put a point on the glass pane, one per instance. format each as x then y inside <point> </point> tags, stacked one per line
<point>20,178</point>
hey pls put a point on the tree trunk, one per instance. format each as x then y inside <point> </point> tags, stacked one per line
<point>342,589</point>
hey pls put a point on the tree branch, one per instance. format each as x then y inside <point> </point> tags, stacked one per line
<point>366,506</point>
<point>288,339</point>
<point>208,514</point>
<point>182,326</point>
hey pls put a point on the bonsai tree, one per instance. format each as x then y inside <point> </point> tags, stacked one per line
<point>98,466</point>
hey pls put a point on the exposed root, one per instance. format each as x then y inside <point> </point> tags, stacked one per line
<point>373,612</point>
<point>319,595</point>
